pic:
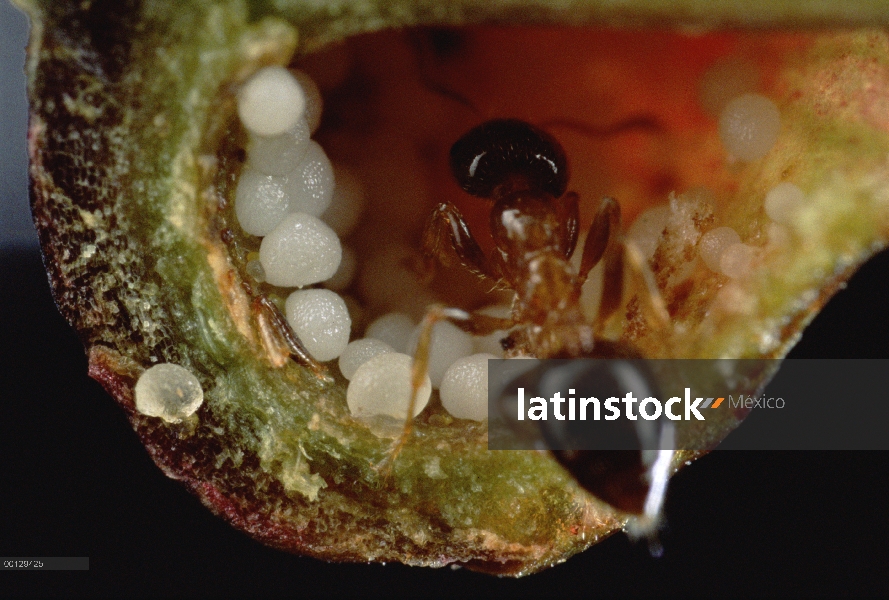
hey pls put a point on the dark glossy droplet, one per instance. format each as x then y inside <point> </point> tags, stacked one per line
<point>509,151</point>
<point>615,476</point>
<point>604,456</point>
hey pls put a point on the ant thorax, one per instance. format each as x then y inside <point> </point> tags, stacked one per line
<point>526,222</point>
<point>532,240</point>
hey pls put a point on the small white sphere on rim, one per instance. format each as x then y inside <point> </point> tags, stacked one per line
<point>321,321</point>
<point>382,386</point>
<point>261,202</point>
<point>310,185</point>
<point>168,391</point>
<point>394,328</point>
<point>271,102</point>
<point>314,101</point>
<point>464,388</point>
<point>777,235</point>
<point>347,203</point>
<point>448,343</point>
<point>359,352</point>
<point>300,251</point>
<point>783,202</point>
<point>280,154</point>
<point>713,244</point>
<point>736,260</point>
<point>749,126</point>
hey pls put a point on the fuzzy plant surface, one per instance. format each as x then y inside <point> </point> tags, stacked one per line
<point>130,125</point>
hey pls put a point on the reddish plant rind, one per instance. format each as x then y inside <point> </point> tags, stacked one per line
<point>125,111</point>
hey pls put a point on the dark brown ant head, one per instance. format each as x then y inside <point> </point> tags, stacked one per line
<point>509,151</point>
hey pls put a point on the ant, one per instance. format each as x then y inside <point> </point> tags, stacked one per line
<point>522,172</point>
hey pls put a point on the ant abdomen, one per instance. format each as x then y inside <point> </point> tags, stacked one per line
<point>510,153</point>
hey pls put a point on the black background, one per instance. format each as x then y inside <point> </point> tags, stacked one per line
<point>74,481</point>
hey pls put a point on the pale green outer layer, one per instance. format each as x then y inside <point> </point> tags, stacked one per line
<point>274,449</point>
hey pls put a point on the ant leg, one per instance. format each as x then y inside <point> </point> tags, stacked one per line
<point>602,243</point>
<point>569,212</point>
<point>603,230</point>
<point>272,340</point>
<point>480,324</point>
<point>446,228</point>
<point>475,323</point>
<point>287,336</point>
<point>613,289</point>
<point>418,373</point>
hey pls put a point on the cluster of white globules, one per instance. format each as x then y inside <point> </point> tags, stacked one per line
<point>283,196</point>
<point>749,127</point>
<point>288,195</point>
<point>458,368</point>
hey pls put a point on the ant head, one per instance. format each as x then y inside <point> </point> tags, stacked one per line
<point>509,150</point>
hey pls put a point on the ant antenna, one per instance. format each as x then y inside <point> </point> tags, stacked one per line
<point>656,301</point>
<point>438,44</point>
<point>639,122</point>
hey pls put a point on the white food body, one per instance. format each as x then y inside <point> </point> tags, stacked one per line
<point>464,388</point>
<point>749,126</point>
<point>321,321</point>
<point>382,386</point>
<point>300,251</point>
<point>271,102</point>
<point>168,391</point>
<point>393,328</point>
<point>359,352</point>
<point>278,155</point>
